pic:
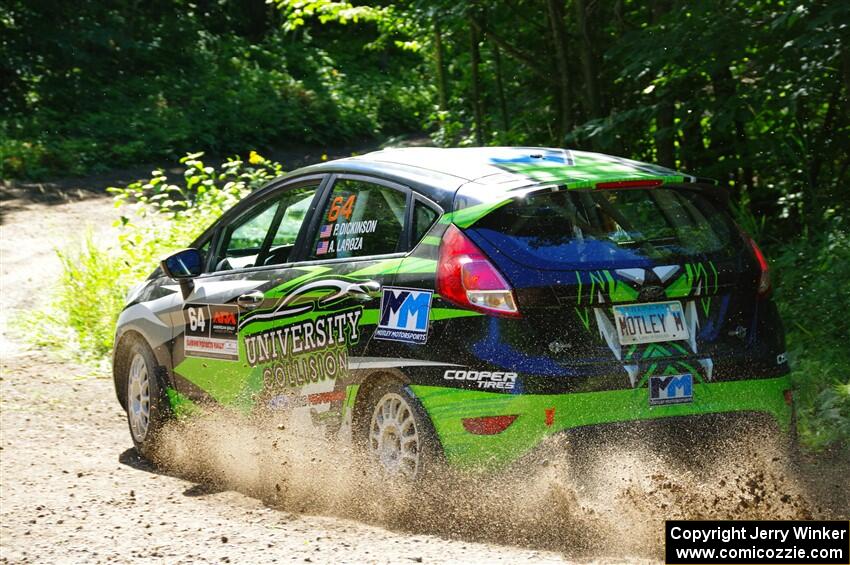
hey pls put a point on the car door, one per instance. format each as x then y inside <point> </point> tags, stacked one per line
<point>313,327</point>
<point>252,252</point>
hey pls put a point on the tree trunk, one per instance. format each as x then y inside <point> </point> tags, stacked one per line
<point>723,142</point>
<point>559,40</point>
<point>692,146</point>
<point>845,70</point>
<point>441,67</point>
<point>588,61</point>
<point>500,87</point>
<point>256,12</point>
<point>475,56</point>
<point>665,117</point>
<point>526,58</point>
<point>811,200</point>
<point>619,17</point>
<point>665,134</point>
<point>743,147</point>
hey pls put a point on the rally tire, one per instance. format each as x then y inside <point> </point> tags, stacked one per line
<point>146,405</point>
<point>399,438</point>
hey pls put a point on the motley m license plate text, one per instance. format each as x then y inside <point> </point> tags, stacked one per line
<point>647,323</point>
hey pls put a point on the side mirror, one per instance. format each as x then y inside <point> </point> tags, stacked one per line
<point>184,266</point>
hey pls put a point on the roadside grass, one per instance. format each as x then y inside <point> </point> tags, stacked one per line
<point>810,274</point>
<point>813,296</point>
<point>158,217</point>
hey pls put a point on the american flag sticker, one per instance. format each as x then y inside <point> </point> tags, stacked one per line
<point>322,248</point>
<point>326,231</point>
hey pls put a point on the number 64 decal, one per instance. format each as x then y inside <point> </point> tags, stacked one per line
<point>197,318</point>
<point>211,330</point>
<point>339,209</point>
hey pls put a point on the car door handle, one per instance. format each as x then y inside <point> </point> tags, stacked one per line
<point>365,291</point>
<point>250,300</point>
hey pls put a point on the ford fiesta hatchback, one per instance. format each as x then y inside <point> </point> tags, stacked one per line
<point>460,305</point>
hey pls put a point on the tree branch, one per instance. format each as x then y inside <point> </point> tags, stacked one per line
<point>514,52</point>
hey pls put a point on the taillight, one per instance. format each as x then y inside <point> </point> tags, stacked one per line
<point>487,425</point>
<point>466,277</point>
<point>764,276</point>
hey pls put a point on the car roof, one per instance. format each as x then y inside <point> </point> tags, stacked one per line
<point>487,173</point>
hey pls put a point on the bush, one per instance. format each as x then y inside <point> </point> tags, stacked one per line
<point>19,159</point>
<point>815,302</point>
<point>226,95</point>
<point>160,217</point>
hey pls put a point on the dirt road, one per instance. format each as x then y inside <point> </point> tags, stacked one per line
<point>72,489</point>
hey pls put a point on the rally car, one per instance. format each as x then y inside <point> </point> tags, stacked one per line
<point>460,306</point>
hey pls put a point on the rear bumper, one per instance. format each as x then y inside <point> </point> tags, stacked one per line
<point>542,415</point>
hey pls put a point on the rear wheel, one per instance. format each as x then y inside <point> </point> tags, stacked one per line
<point>400,439</point>
<point>146,408</point>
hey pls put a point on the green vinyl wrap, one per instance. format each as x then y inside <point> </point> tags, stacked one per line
<point>448,406</point>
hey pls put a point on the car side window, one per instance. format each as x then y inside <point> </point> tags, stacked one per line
<point>244,238</point>
<point>360,219</point>
<point>266,234</point>
<point>294,207</point>
<point>423,218</point>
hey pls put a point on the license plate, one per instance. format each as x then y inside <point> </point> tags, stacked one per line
<point>671,389</point>
<point>647,323</point>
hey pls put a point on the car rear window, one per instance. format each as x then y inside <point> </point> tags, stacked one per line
<point>608,228</point>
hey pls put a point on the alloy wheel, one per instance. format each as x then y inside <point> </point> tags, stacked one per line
<point>393,437</point>
<point>139,398</point>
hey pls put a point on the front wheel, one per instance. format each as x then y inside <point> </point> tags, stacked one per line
<point>146,410</point>
<point>401,439</point>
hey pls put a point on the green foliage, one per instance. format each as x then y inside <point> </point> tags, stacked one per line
<point>20,159</point>
<point>159,218</point>
<point>298,11</point>
<point>91,295</point>
<point>124,86</point>
<point>814,300</point>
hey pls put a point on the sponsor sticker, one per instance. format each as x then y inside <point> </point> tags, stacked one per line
<point>288,401</point>
<point>484,379</point>
<point>296,354</point>
<point>404,315</point>
<point>671,389</point>
<point>211,331</point>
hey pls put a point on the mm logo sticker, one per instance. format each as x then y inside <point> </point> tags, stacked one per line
<point>404,315</point>
<point>674,389</point>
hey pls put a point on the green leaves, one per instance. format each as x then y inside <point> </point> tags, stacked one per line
<point>297,12</point>
<point>813,298</point>
<point>159,218</point>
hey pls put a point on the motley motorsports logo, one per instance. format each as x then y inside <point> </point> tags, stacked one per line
<point>404,315</point>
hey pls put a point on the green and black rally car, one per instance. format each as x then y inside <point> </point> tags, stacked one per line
<point>460,305</point>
